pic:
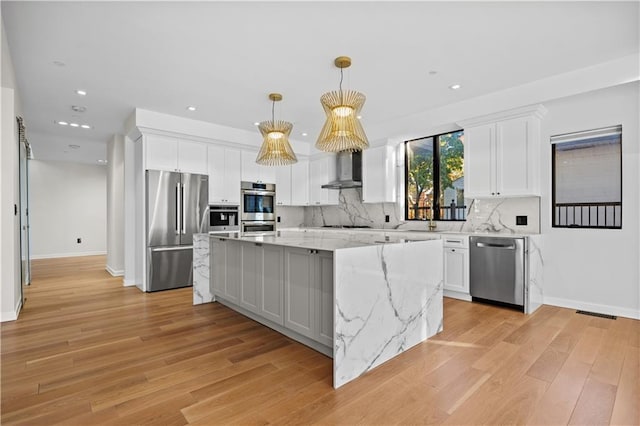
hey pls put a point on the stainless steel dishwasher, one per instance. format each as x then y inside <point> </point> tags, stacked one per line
<point>497,270</point>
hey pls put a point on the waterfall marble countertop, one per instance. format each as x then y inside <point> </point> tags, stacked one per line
<point>321,239</point>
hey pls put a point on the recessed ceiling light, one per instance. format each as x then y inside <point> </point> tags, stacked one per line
<point>85,126</point>
<point>305,134</point>
<point>455,86</point>
<point>81,92</point>
<point>191,108</point>
<point>256,124</point>
<point>62,123</point>
<point>102,161</point>
<point>74,146</point>
<point>74,125</point>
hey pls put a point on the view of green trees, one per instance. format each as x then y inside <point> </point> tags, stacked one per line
<point>420,178</point>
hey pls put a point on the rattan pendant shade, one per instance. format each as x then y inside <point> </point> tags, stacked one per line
<point>342,131</point>
<point>275,149</point>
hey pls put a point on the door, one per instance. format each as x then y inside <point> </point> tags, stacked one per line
<point>24,210</point>
<point>250,273</point>
<point>163,212</point>
<point>170,267</point>
<point>496,269</point>
<point>271,283</point>
<point>325,302</point>
<point>479,161</point>
<point>194,195</point>
<point>299,291</point>
<point>513,146</point>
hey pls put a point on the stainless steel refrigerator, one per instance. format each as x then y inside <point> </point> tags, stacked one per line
<point>177,205</point>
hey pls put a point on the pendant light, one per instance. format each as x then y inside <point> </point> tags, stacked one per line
<point>342,131</point>
<point>275,150</point>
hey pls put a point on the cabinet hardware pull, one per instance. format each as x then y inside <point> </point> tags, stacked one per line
<point>258,244</point>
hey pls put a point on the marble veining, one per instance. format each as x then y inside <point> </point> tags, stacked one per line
<point>388,298</point>
<point>201,288</point>
<point>535,282</point>
<point>493,215</point>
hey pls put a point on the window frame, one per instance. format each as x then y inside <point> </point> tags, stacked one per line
<point>554,219</point>
<point>435,208</point>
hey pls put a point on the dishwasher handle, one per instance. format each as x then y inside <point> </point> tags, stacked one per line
<point>500,246</point>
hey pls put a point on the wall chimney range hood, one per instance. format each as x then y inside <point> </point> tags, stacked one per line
<point>348,169</point>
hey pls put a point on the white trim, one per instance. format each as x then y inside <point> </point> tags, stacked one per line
<point>129,283</point>
<point>11,315</point>
<point>592,307</point>
<point>532,110</point>
<point>457,295</point>
<point>115,272</point>
<point>77,254</point>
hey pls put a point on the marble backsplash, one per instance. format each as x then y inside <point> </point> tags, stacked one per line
<point>483,215</point>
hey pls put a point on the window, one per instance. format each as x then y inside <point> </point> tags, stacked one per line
<point>587,179</point>
<point>434,175</point>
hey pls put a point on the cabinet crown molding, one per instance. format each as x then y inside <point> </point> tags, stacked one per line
<point>537,111</point>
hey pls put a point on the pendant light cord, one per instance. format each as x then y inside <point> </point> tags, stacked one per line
<point>341,77</point>
<point>273,116</point>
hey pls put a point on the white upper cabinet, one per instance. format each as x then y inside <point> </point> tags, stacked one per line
<point>224,175</point>
<point>379,175</point>
<point>165,153</point>
<point>300,183</point>
<point>501,157</point>
<point>321,171</point>
<point>254,172</point>
<point>283,185</point>
<point>292,184</point>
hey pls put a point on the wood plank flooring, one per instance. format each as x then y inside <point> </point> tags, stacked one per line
<point>86,350</point>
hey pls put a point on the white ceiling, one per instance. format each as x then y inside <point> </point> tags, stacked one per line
<point>225,57</point>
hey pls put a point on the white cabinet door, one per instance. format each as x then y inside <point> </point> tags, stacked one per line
<point>218,266</point>
<point>161,153</point>
<point>233,273</point>
<point>299,294</point>
<point>254,172</point>
<point>192,157</point>
<point>515,174</point>
<point>456,270</point>
<point>216,169</point>
<point>378,175</point>
<point>271,283</point>
<point>232,175</point>
<point>479,161</point>
<point>321,171</point>
<point>300,183</point>
<point>224,175</point>
<point>325,302</point>
<point>250,273</point>
<point>283,185</point>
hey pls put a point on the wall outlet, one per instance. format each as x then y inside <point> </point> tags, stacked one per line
<point>386,218</point>
<point>521,220</point>
<point>79,240</point>
<point>278,219</point>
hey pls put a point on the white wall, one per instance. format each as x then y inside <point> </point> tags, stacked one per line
<point>10,278</point>
<point>67,201</point>
<point>595,269</point>
<point>115,206</point>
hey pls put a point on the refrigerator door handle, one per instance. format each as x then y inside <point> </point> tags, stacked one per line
<point>177,209</point>
<point>184,208</point>
<point>157,249</point>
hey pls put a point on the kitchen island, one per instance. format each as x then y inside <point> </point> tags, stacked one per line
<point>360,298</point>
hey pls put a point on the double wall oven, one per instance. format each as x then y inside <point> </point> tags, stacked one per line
<point>257,208</point>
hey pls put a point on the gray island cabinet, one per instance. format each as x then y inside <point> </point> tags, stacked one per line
<point>359,299</point>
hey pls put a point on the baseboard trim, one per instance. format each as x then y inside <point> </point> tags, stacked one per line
<point>593,307</point>
<point>57,255</point>
<point>128,283</point>
<point>457,295</point>
<point>115,272</point>
<point>11,315</point>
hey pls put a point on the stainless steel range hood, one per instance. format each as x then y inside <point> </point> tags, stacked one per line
<point>348,169</point>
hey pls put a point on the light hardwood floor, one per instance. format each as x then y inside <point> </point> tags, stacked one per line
<point>86,350</point>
